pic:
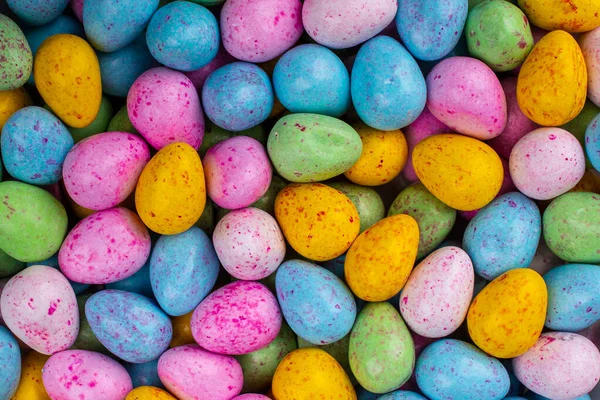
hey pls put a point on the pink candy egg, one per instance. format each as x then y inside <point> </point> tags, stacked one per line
<point>108,246</point>
<point>466,95</point>
<point>85,375</point>
<point>546,163</point>
<point>249,244</point>
<point>102,171</point>
<point>192,373</point>
<point>77,7</point>
<point>39,307</point>
<point>163,105</point>
<point>238,318</point>
<point>259,31</point>
<point>238,172</point>
<point>251,396</point>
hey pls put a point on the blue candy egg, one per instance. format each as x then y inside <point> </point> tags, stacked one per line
<point>402,395</point>
<point>453,369</point>
<point>34,146</point>
<point>10,364</point>
<point>136,283</point>
<point>129,325</point>
<point>592,142</point>
<point>504,235</point>
<point>183,270</point>
<point>316,304</point>
<point>78,288</point>
<point>311,79</point>
<point>183,36</point>
<point>111,25</point>
<point>573,297</point>
<point>237,96</point>
<point>431,28</point>
<point>144,374</point>
<point>387,86</point>
<point>37,12</point>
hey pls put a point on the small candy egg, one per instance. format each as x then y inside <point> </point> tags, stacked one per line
<point>144,374</point>
<point>81,374</point>
<point>10,357</point>
<point>436,297</point>
<point>561,365</point>
<point>251,396</point>
<point>464,173</point>
<point>10,102</point>
<point>507,316</point>
<point>213,374</point>
<point>164,107</point>
<point>15,71</point>
<point>120,122</point>
<point>572,16</point>
<point>37,12</point>
<point>182,331</point>
<point>590,48</point>
<point>31,386</point>
<point>592,142</point>
<point>382,257</point>
<point>99,125</point>
<point>367,201</point>
<point>170,195</point>
<point>404,395</point>
<point>319,222</point>
<point>555,65</point>
<point>311,373</point>
<point>388,89</point>
<point>183,270</point>
<point>452,368</point>
<point>148,393</point>
<point>238,172</point>
<point>86,340</point>
<point>466,95</point>
<point>129,325</point>
<point>296,147</point>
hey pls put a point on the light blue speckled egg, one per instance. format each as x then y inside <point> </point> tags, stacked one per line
<point>78,288</point>
<point>144,374</point>
<point>37,12</point>
<point>504,235</point>
<point>316,304</point>
<point>10,364</point>
<point>388,89</point>
<point>136,283</point>
<point>402,395</point>
<point>592,142</point>
<point>183,270</point>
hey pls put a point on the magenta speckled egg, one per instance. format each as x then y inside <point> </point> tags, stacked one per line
<point>102,170</point>
<point>249,244</point>
<point>546,163</point>
<point>163,105</point>
<point>340,24</point>
<point>238,318</point>
<point>259,31</point>
<point>192,373</point>
<point>40,308</point>
<point>560,366</point>
<point>238,172</point>
<point>437,295</point>
<point>466,95</point>
<point>85,375</point>
<point>108,246</point>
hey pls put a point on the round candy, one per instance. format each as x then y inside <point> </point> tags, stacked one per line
<point>592,142</point>
<point>590,48</point>
<point>571,16</point>
<point>148,393</point>
<point>10,357</point>
<point>366,200</point>
<point>15,71</point>
<point>10,102</point>
<point>37,12</point>
<point>31,385</point>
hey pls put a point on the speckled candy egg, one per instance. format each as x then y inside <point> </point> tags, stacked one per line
<point>367,201</point>
<point>37,12</point>
<point>105,247</point>
<point>319,222</point>
<point>452,368</point>
<point>164,107</point>
<point>590,48</point>
<point>592,142</point>
<point>238,318</point>
<point>148,393</point>
<point>10,356</point>
<point>466,95</point>
<point>16,69</point>
<point>31,386</point>
<point>238,172</point>
<point>251,396</point>
<point>338,350</point>
<point>572,16</point>
<point>555,65</point>
<point>507,316</point>
<point>39,307</point>
<point>341,24</point>
<point>388,89</point>
<point>11,101</point>
<point>129,325</point>
<point>560,366</point>
<point>170,195</point>
<point>183,270</point>
<point>546,163</point>
<point>85,375</point>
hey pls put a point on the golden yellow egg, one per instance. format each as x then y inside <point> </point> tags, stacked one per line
<point>182,331</point>
<point>12,101</point>
<point>568,15</point>
<point>31,386</point>
<point>149,393</point>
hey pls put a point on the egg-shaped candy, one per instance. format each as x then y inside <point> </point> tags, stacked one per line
<point>12,101</point>
<point>388,89</point>
<point>251,396</point>
<point>198,76</point>
<point>590,48</point>
<point>571,16</point>
<point>136,283</point>
<point>452,368</point>
<point>214,375</point>
<point>182,331</point>
<point>78,288</point>
<point>8,267</point>
<point>148,393</point>
<point>99,125</point>
<point>338,350</point>
<point>10,357</point>
<point>31,385</point>
<point>367,201</point>
<point>120,122</point>
<point>37,12</point>
<point>82,374</point>
<point>15,71</point>
<point>170,195</point>
<point>592,142</point>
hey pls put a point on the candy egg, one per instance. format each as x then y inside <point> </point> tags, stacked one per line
<point>337,350</point>
<point>10,102</point>
<point>251,396</point>
<point>182,331</point>
<point>78,288</point>
<point>120,122</point>
<point>15,71</point>
<point>99,124</point>
<point>37,12</point>
<point>198,76</point>
<point>403,395</point>
<point>572,16</point>
<point>590,48</point>
<point>144,374</point>
<point>148,393</point>
<point>592,142</point>
<point>31,386</point>
<point>136,283</point>
<point>10,356</point>
<point>86,339</point>
<point>367,201</point>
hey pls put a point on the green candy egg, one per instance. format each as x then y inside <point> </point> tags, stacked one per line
<point>34,223</point>
<point>121,123</point>
<point>366,200</point>
<point>9,266</point>
<point>337,350</point>
<point>435,219</point>
<point>214,134</point>
<point>381,350</point>
<point>17,60</point>
<point>571,226</point>
<point>99,125</point>
<point>312,147</point>
<point>86,340</point>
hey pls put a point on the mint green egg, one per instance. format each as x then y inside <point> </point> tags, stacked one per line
<point>337,350</point>
<point>99,125</point>
<point>121,123</point>
<point>9,266</point>
<point>366,200</point>
<point>17,59</point>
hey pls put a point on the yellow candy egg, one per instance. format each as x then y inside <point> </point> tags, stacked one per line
<point>12,101</point>
<point>382,257</point>
<point>383,156</point>
<point>148,393</point>
<point>464,173</point>
<point>171,193</point>
<point>182,331</point>
<point>31,386</point>
<point>319,222</point>
<point>311,373</point>
<point>67,75</point>
<point>552,83</point>
<point>568,15</point>
<point>507,316</point>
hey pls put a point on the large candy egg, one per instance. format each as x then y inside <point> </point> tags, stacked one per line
<point>572,15</point>
<point>16,67</point>
<point>590,48</point>
<point>10,356</point>
<point>37,12</point>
